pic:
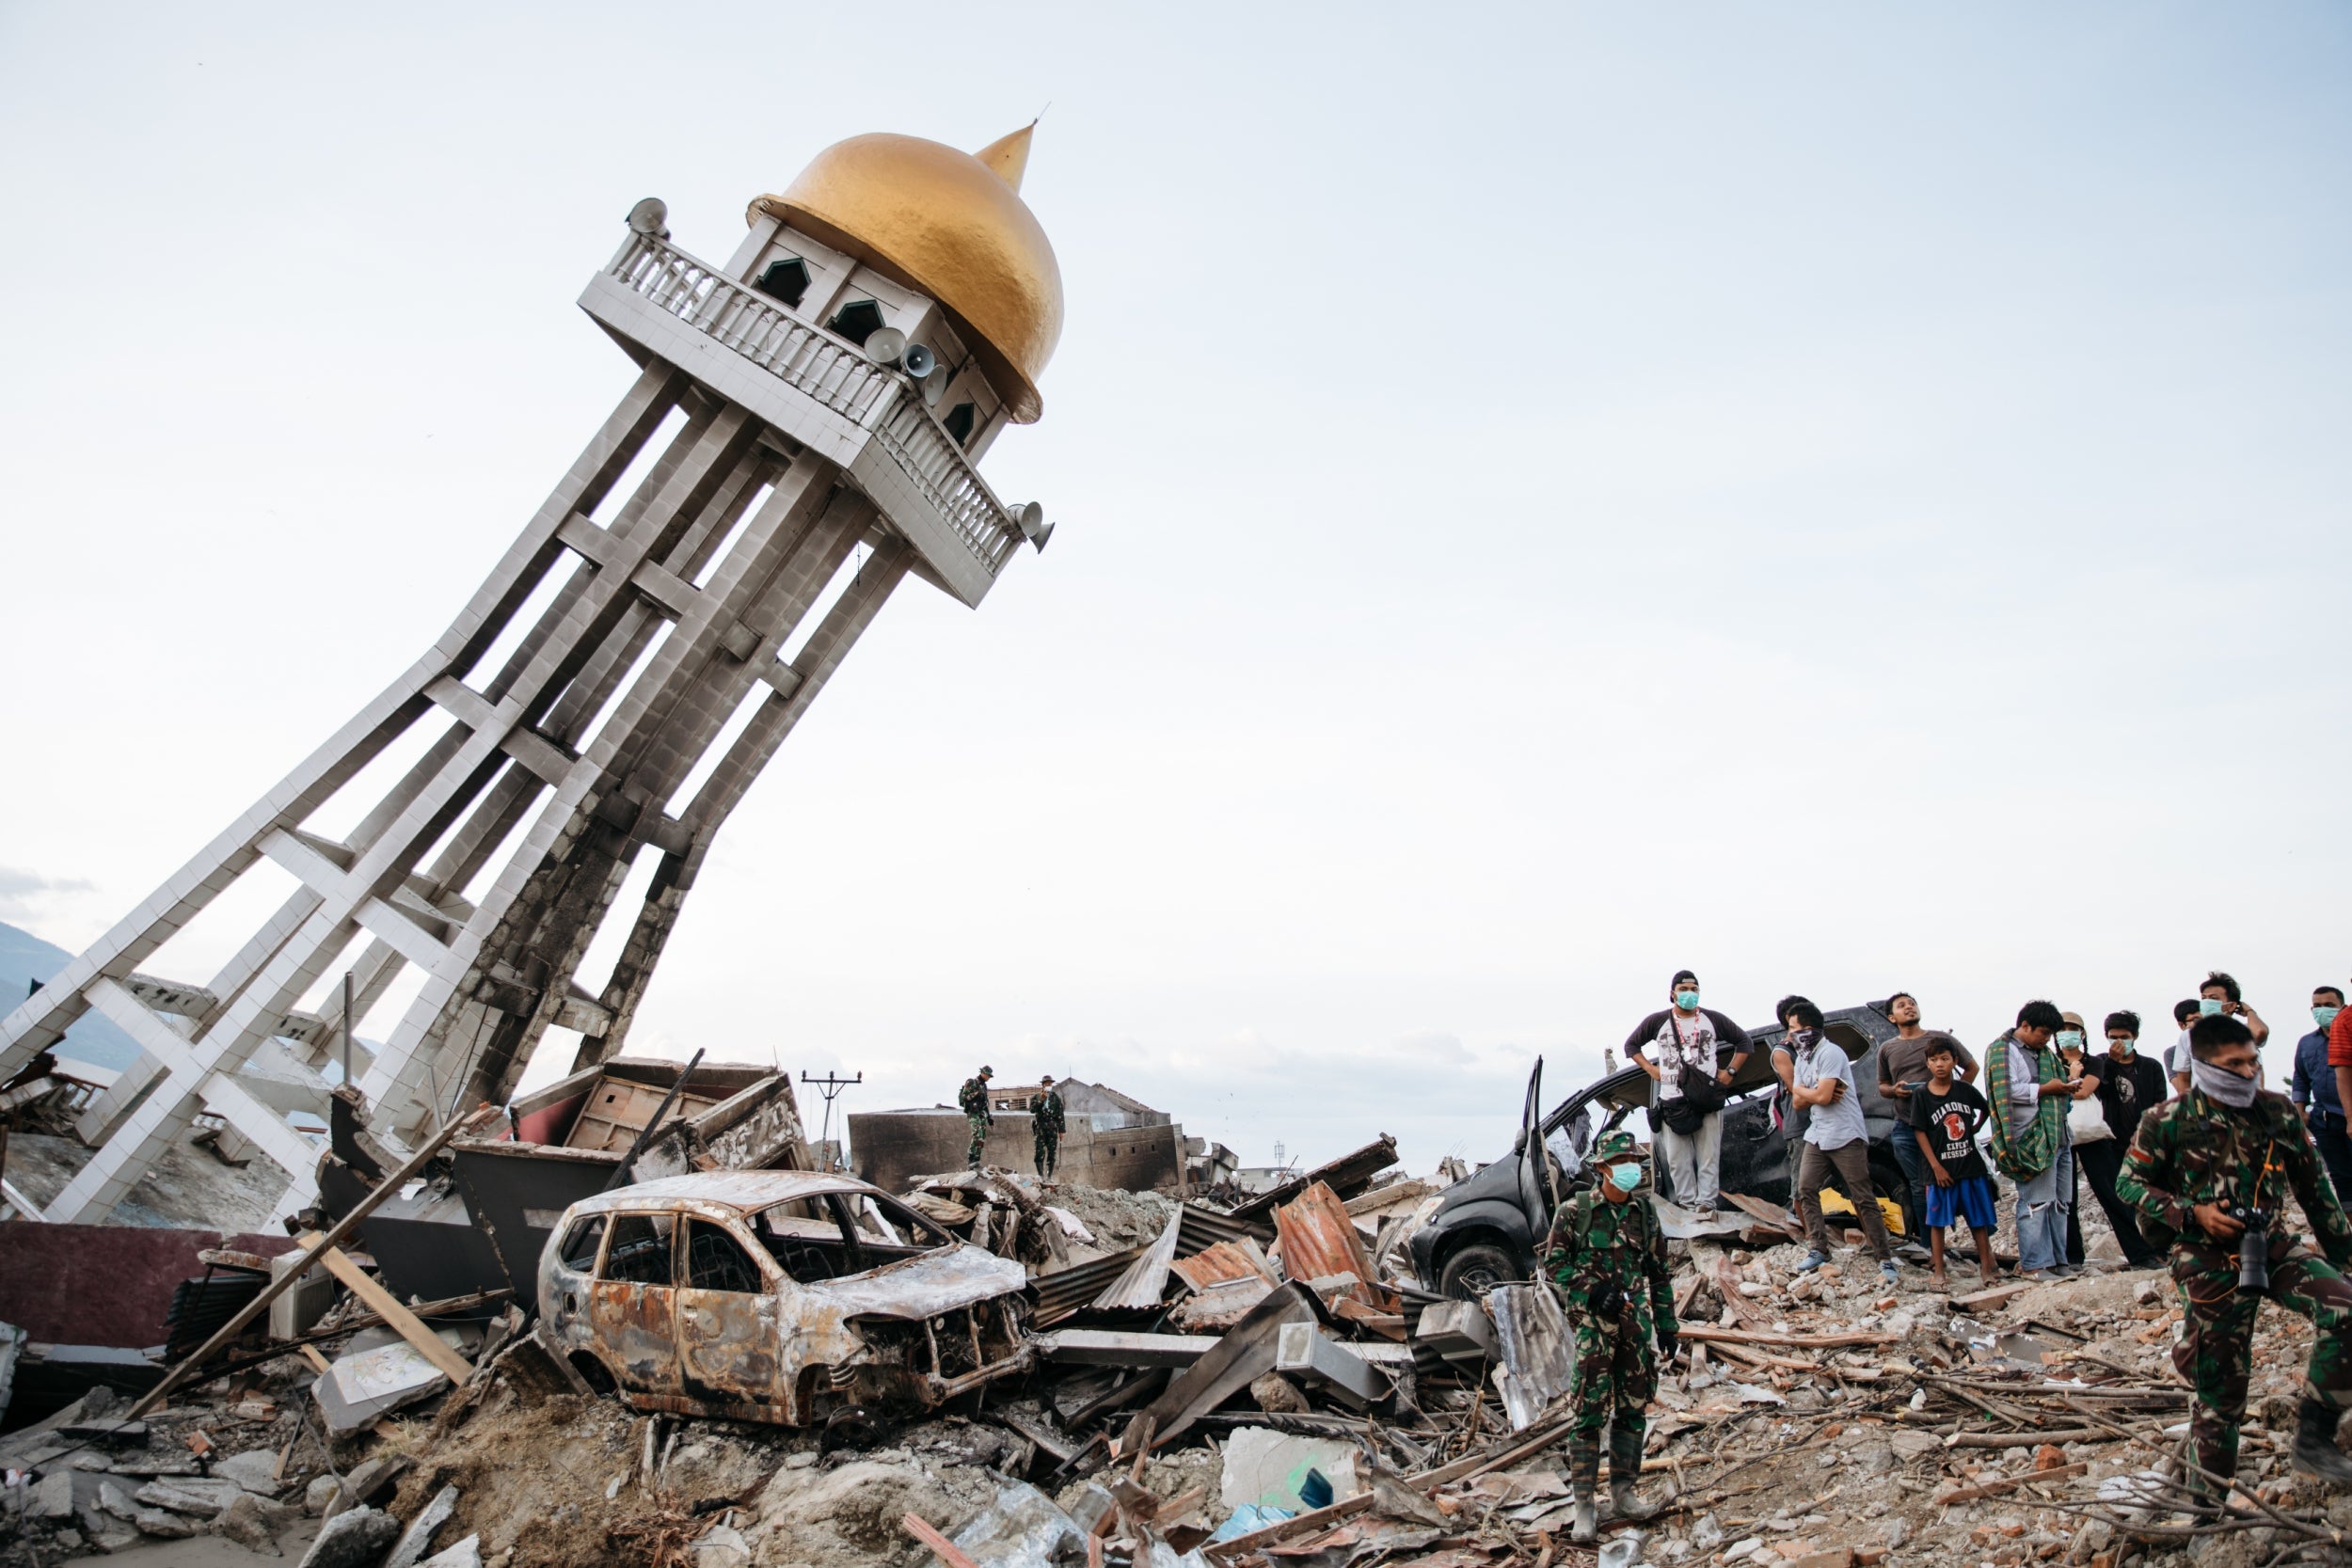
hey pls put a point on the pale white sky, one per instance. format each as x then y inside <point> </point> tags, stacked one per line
<point>1837,496</point>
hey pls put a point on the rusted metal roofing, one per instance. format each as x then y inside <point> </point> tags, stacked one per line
<point>1319,1240</point>
<point>1059,1295</point>
<point>1225,1261</point>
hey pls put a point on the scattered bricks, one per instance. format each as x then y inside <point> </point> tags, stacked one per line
<point>2049,1457</point>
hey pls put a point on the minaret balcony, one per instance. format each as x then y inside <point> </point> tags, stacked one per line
<point>814,388</point>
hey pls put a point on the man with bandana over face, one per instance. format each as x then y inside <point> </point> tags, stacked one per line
<point>2197,1166</point>
<point>1608,1257</point>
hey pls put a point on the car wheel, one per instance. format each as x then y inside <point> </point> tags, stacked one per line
<point>1476,1270</point>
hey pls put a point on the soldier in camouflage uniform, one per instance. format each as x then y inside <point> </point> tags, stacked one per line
<point>972,1098</point>
<point>1608,1257</point>
<point>2227,1146</point>
<point>1046,1122</point>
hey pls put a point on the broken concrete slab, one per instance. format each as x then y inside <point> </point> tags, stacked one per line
<point>1269,1468</point>
<point>417,1539</point>
<point>352,1539</point>
<point>466,1554</point>
<point>204,1495</point>
<point>252,1523</point>
<point>1023,1528</point>
<point>256,1471</point>
<point>364,1386</point>
<point>163,1524</point>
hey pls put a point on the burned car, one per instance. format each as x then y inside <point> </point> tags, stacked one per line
<point>1486,1231</point>
<point>778,1296</point>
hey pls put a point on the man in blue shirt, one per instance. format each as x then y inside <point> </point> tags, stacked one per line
<point>2315,1091</point>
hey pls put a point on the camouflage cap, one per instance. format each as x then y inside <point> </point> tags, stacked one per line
<point>1614,1145</point>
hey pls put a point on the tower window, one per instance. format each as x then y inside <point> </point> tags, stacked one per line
<point>959,423</point>
<point>857,321</point>
<point>786,279</point>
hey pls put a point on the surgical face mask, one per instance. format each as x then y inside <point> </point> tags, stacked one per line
<point>2070,1039</point>
<point>1626,1176</point>
<point>2325,1016</point>
<point>2210,1005</point>
<point>1686,1000</point>
<point>2123,1047</point>
<point>2222,1085</point>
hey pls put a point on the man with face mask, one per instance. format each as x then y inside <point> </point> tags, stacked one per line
<point>2218,997</point>
<point>2197,1167</point>
<point>2130,1085</point>
<point>1607,1255</point>
<point>1837,1138</point>
<point>1691,1075</point>
<point>2313,1090</point>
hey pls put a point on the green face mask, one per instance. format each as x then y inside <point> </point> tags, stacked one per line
<point>2325,1016</point>
<point>1625,1177</point>
<point>2070,1039</point>
<point>1686,1000</point>
<point>2210,1005</point>
<point>2122,1047</point>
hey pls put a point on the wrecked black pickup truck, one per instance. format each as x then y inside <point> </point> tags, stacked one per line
<point>1485,1232</point>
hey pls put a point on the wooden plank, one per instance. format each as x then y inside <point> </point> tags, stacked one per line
<point>387,1306</point>
<point>1242,1545</point>
<point>941,1547</point>
<point>2008,1484</point>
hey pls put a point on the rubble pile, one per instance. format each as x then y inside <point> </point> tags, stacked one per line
<point>1046,1373</point>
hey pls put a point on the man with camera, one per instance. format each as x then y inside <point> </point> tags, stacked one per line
<point>2210,1173</point>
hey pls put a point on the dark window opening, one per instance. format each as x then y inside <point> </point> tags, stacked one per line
<point>640,1254</point>
<point>857,321</point>
<point>786,279</point>
<point>580,1246</point>
<point>958,422</point>
<point>717,1262</point>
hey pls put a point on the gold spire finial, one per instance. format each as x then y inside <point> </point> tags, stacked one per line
<point>1008,156</point>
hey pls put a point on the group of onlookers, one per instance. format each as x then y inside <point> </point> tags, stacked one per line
<point>2070,1106</point>
<point>2193,1163</point>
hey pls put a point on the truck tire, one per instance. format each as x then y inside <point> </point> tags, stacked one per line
<point>1476,1270</point>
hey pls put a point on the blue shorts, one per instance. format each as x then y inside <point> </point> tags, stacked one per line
<point>1971,1197</point>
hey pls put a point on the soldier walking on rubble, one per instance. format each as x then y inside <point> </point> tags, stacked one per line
<point>1046,1122</point>
<point>1608,1256</point>
<point>972,1098</point>
<point>2210,1173</point>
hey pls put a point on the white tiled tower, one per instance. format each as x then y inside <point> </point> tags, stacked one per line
<point>617,683</point>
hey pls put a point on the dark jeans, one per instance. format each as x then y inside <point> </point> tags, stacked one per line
<point>2101,1160</point>
<point>2074,1210</point>
<point>1915,1169</point>
<point>2335,1152</point>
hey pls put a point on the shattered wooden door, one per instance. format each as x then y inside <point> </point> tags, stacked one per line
<point>632,1306</point>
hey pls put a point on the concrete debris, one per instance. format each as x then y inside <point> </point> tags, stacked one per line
<point>415,1542</point>
<point>355,1538</point>
<point>1271,1469</point>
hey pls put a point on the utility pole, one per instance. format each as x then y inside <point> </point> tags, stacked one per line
<point>832,1085</point>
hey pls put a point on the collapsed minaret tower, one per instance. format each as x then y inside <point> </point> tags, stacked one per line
<point>801,435</point>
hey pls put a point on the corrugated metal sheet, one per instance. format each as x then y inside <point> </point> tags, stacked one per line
<point>1319,1240</point>
<point>1145,1280</point>
<point>1204,1228</point>
<point>1059,1295</point>
<point>1225,1261</point>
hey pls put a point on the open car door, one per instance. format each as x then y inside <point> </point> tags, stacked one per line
<point>1536,1196</point>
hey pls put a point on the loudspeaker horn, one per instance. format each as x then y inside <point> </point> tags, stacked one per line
<point>885,344</point>
<point>918,361</point>
<point>1030,518</point>
<point>651,216</point>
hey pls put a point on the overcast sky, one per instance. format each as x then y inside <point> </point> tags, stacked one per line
<point>1838,497</point>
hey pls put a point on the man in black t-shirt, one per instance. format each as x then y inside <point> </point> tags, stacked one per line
<point>1944,1117</point>
<point>2130,1085</point>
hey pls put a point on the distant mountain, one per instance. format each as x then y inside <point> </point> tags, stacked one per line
<point>26,963</point>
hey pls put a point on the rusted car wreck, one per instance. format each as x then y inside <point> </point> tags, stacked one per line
<point>779,1296</point>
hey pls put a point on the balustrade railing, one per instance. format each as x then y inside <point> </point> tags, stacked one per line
<point>833,373</point>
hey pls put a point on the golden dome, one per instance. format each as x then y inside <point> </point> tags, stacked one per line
<point>951,225</point>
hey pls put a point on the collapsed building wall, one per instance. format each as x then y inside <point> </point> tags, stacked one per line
<point>891,1149</point>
